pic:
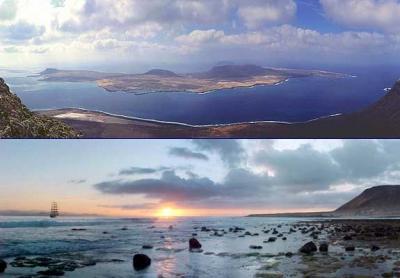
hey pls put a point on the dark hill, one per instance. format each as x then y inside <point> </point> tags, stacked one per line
<point>49,71</point>
<point>16,121</point>
<point>163,73</point>
<point>236,72</point>
<point>376,201</point>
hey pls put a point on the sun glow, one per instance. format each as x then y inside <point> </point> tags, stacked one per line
<point>167,212</point>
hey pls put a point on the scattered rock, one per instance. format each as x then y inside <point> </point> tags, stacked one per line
<point>255,247</point>
<point>194,244</point>
<point>324,246</point>
<point>141,261</point>
<point>289,254</point>
<point>347,237</point>
<point>52,272</point>
<point>3,266</point>
<point>308,248</point>
<point>350,248</point>
<point>375,248</point>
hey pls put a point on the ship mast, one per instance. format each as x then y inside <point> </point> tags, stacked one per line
<point>54,210</point>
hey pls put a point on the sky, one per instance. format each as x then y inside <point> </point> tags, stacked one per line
<point>192,177</point>
<point>131,35</point>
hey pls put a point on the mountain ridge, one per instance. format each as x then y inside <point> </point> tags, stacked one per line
<point>378,201</point>
<point>17,121</point>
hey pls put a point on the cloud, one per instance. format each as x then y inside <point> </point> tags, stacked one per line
<point>303,169</point>
<point>141,171</point>
<point>99,14</point>
<point>8,9</point>
<point>230,151</point>
<point>201,36</point>
<point>132,206</point>
<point>270,178</point>
<point>81,181</point>
<point>256,13</point>
<point>21,31</point>
<point>169,187</point>
<point>382,15</point>
<point>187,154</point>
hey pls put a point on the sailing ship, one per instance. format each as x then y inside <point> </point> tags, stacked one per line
<point>54,210</point>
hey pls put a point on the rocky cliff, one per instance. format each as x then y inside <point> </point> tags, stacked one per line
<point>17,121</point>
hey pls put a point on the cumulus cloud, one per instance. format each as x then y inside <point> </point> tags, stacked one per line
<point>301,177</point>
<point>22,31</point>
<point>187,154</point>
<point>8,9</point>
<point>230,151</point>
<point>256,13</point>
<point>367,14</point>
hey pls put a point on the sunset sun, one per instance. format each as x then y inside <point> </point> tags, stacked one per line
<point>167,212</point>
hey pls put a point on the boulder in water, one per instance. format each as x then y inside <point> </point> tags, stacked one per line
<point>3,266</point>
<point>308,248</point>
<point>141,261</point>
<point>350,249</point>
<point>194,244</point>
<point>375,248</point>
<point>323,247</point>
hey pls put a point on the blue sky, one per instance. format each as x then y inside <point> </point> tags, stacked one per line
<point>200,177</point>
<point>198,33</point>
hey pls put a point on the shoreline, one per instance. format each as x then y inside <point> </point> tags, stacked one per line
<point>149,120</point>
<point>339,248</point>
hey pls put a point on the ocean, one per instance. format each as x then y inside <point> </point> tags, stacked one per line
<point>296,100</point>
<point>110,244</point>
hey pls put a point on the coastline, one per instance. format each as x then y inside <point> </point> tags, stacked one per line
<point>271,248</point>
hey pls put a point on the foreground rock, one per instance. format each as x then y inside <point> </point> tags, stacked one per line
<point>194,244</point>
<point>324,247</point>
<point>3,266</point>
<point>17,121</point>
<point>141,261</point>
<point>308,248</point>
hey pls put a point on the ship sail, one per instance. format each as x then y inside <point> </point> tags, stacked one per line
<point>54,210</point>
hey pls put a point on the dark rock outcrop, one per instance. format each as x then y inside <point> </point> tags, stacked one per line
<point>3,266</point>
<point>308,248</point>
<point>323,247</point>
<point>17,121</point>
<point>141,261</point>
<point>194,244</point>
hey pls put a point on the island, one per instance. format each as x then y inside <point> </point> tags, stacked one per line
<point>159,80</point>
<point>380,120</point>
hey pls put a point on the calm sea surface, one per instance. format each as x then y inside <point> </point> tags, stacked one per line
<point>296,100</point>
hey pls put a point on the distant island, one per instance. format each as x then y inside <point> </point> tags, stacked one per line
<point>159,80</point>
<point>378,201</point>
<point>380,120</point>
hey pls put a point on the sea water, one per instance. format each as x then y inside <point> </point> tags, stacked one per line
<point>299,99</point>
<point>226,256</point>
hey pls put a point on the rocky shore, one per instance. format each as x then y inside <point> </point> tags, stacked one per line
<point>321,248</point>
